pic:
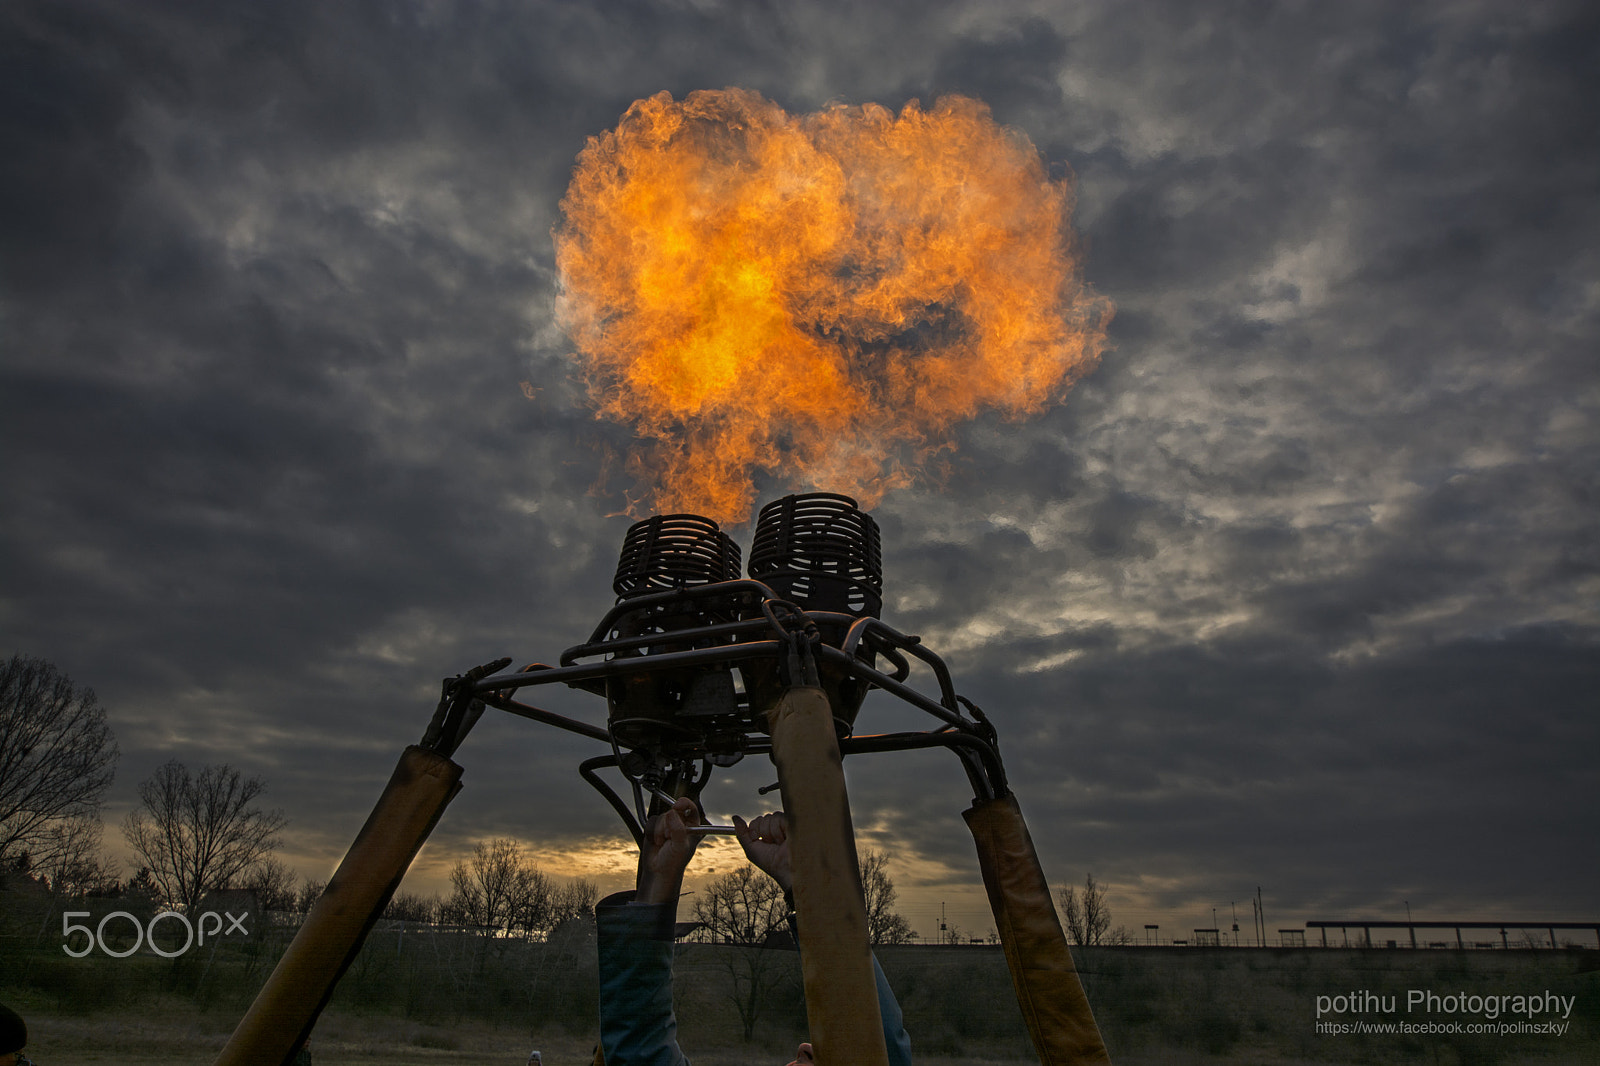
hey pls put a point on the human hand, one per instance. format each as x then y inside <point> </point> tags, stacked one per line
<point>668,847</point>
<point>766,843</point>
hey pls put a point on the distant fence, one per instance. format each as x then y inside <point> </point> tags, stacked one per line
<point>1397,935</point>
<point>1505,935</point>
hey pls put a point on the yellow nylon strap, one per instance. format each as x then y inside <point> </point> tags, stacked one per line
<point>1046,981</point>
<point>835,959</point>
<point>288,1005</point>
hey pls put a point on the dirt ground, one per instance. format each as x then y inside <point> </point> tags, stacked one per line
<point>194,1040</point>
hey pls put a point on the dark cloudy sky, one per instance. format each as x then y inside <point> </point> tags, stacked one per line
<point>1300,589</point>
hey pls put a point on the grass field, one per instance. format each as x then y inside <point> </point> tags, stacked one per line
<point>1154,1005</point>
<point>341,1040</point>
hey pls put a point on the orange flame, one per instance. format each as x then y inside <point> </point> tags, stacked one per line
<point>822,297</point>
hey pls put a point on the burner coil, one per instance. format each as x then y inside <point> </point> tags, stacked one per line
<point>674,551</point>
<point>820,551</point>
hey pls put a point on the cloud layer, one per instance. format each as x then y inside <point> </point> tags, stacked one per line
<point>1299,588</point>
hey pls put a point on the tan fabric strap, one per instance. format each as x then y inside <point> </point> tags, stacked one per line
<point>1046,981</point>
<point>288,1005</point>
<point>836,961</point>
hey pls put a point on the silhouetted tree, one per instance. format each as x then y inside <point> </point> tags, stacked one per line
<point>309,893</point>
<point>884,926</point>
<point>412,907</point>
<point>500,891</point>
<point>198,832</point>
<point>57,757</point>
<point>1086,916</point>
<point>75,865</point>
<point>745,909</point>
<point>142,886</point>
<point>274,885</point>
<point>575,899</point>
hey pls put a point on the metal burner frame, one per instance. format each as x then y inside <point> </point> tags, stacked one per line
<point>681,760</point>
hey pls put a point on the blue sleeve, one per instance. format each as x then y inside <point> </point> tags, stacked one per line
<point>895,1037</point>
<point>637,1026</point>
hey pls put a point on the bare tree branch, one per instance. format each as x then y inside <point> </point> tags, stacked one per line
<point>57,757</point>
<point>413,907</point>
<point>502,892</point>
<point>309,893</point>
<point>743,909</point>
<point>1086,916</point>
<point>575,899</point>
<point>884,925</point>
<point>274,885</point>
<point>75,864</point>
<point>200,832</point>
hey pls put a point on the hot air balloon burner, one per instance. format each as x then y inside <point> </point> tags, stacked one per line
<point>662,555</point>
<point>692,656</point>
<point>821,553</point>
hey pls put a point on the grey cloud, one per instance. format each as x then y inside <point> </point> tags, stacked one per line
<point>1298,587</point>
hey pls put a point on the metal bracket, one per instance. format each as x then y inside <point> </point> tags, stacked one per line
<point>459,709</point>
<point>802,634</point>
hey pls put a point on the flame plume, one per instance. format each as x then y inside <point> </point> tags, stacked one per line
<point>822,297</point>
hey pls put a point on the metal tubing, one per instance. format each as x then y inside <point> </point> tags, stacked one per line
<point>981,762</point>
<point>687,635</point>
<point>731,653</point>
<point>698,592</point>
<point>586,770</point>
<point>538,714</point>
<point>889,684</point>
<point>618,667</point>
<point>676,636</point>
<point>914,645</point>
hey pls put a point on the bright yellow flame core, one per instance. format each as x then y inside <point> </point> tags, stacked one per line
<point>821,297</point>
